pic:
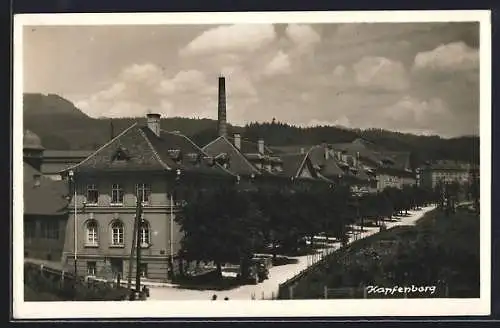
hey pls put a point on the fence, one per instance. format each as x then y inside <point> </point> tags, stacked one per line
<point>285,290</point>
<point>64,285</point>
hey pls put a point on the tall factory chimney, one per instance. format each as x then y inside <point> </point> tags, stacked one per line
<point>221,118</point>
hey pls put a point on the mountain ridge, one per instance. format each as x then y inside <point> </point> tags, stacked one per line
<point>61,125</point>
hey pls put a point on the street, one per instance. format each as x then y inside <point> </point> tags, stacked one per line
<point>277,274</point>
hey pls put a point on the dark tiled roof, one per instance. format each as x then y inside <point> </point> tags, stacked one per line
<point>449,165</point>
<point>328,167</point>
<point>144,151</point>
<point>250,147</point>
<point>238,163</point>
<point>172,141</point>
<point>52,168</point>
<point>364,152</point>
<point>292,163</point>
<point>143,157</point>
<point>290,149</point>
<point>49,198</point>
<point>401,159</point>
<point>65,154</point>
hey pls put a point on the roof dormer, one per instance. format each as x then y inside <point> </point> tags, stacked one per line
<point>121,154</point>
<point>175,154</point>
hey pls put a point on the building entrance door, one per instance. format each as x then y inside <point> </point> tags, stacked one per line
<point>116,267</point>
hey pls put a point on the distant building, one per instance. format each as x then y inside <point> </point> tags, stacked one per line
<point>384,169</point>
<point>143,161</point>
<point>56,161</point>
<point>446,171</point>
<point>45,206</point>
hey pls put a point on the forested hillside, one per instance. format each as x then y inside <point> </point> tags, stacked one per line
<point>63,126</point>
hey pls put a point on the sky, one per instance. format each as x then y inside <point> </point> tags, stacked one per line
<point>419,78</point>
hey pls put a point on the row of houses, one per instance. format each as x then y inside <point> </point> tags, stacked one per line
<point>81,206</point>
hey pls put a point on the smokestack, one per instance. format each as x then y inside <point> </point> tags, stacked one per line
<point>112,130</point>
<point>261,146</point>
<point>237,141</point>
<point>222,128</point>
<point>154,123</point>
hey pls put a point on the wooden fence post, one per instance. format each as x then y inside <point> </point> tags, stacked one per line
<point>272,295</point>
<point>262,294</point>
<point>290,292</point>
<point>325,291</point>
<point>365,293</point>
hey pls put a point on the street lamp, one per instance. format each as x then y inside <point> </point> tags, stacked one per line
<point>73,182</point>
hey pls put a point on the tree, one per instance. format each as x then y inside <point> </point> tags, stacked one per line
<point>220,225</point>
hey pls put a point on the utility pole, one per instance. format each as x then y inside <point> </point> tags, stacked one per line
<point>75,223</point>
<point>134,239</point>
<point>138,245</point>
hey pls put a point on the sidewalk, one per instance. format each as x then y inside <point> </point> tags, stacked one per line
<point>277,274</point>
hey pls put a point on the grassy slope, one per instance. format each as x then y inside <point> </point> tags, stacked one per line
<point>437,248</point>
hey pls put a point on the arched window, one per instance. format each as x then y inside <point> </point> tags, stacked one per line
<point>117,233</point>
<point>92,233</point>
<point>144,233</point>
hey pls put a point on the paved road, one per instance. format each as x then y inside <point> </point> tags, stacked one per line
<point>277,275</point>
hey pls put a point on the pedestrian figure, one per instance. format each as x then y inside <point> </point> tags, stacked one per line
<point>226,298</point>
<point>214,297</point>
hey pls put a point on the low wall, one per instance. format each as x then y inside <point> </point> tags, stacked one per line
<point>45,280</point>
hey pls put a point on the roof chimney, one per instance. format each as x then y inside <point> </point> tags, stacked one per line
<point>237,141</point>
<point>261,146</point>
<point>327,151</point>
<point>221,118</point>
<point>154,123</point>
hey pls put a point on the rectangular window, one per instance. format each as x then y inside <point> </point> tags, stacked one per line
<point>144,270</point>
<point>91,268</point>
<point>50,229</point>
<point>116,194</point>
<point>117,234</point>
<point>29,229</point>
<point>92,194</point>
<point>143,190</point>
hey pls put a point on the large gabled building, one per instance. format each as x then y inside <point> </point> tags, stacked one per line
<point>158,166</point>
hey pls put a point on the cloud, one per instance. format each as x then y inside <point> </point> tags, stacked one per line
<point>187,81</point>
<point>143,87</point>
<point>238,82</point>
<point>455,56</point>
<point>340,122</point>
<point>381,73</point>
<point>142,73</point>
<point>303,36</point>
<point>419,112</point>
<point>280,64</point>
<point>241,38</point>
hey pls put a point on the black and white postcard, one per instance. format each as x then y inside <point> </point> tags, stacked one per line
<point>316,164</point>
